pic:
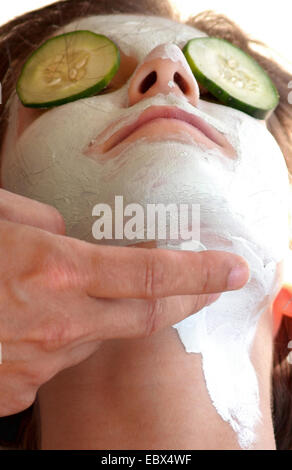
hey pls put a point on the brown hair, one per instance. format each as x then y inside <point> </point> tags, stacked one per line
<point>21,36</point>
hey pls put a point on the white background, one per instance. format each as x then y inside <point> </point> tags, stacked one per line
<point>270,21</point>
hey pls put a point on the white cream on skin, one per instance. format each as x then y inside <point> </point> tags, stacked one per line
<point>243,200</point>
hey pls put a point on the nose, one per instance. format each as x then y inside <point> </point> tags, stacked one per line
<point>164,70</point>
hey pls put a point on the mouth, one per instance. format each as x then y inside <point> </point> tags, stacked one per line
<point>160,123</point>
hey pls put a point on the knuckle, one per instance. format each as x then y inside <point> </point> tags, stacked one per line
<point>60,271</point>
<point>153,312</point>
<point>55,335</point>
<point>205,278</point>
<point>154,276</point>
<point>35,376</point>
<point>39,374</point>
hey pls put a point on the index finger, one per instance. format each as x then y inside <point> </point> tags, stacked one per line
<point>124,272</point>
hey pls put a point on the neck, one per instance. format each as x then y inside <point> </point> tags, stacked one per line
<point>146,384</point>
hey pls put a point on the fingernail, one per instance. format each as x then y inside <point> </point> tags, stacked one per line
<point>212,298</point>
<point>238,277</point>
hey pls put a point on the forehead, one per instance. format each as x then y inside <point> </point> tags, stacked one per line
<point>136,34</point>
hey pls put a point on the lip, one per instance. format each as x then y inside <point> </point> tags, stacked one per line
<point>164,122</point>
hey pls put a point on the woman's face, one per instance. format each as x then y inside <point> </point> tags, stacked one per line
<point>152,139</point>
<point>88,151</point>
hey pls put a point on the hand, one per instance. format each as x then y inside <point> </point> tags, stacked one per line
<point>60,297</point>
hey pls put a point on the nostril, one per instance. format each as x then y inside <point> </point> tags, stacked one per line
<point>181,82</point>
<point>148,82</point>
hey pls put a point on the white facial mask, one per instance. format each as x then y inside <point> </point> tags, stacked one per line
<point>243,200</point>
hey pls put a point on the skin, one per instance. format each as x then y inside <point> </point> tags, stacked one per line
<point>99,394</point>
<point>51,283</point>
<point>146,394</point>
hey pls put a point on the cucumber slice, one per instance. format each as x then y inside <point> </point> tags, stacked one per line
<point>232,76</point>
<point>66,68</point>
